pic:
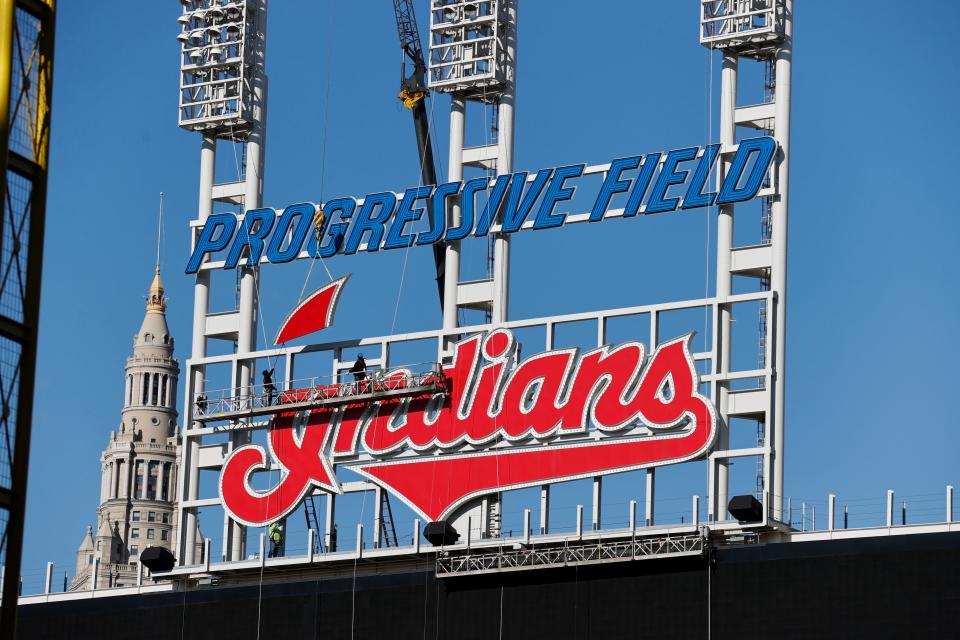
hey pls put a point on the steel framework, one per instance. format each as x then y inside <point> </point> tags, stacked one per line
<point>203,435</point>
<point>26,84</point>
<point>212,70</point>
<point>527,556</point>
<point>752,394</point>
<point>761,30</point>
<point>219,55</point>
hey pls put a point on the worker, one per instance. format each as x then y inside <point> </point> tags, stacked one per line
<point>268,389</point>
<point>359,371</point>
<point>202,404</point>
<point>275,533</point>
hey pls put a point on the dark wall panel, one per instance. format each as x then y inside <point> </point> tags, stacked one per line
<point>905,586</point>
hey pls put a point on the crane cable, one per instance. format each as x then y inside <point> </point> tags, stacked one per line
<point>318,216</point>
<point>406,253</point>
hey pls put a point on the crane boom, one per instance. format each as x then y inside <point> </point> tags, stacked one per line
<point>413,92</point>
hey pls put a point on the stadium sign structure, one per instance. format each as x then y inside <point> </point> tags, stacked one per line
<point>449,440</point>
<point>497,424</point>
<point>380,220</point>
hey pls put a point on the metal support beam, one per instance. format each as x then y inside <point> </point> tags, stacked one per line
<point>597,501</point>
<point>650,496</point>
<point>28,29</point>
<point>778,271</point>
<point>728,103</point>
<point>544,509</point>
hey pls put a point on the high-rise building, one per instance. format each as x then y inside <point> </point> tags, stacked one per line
<point>139,465</point>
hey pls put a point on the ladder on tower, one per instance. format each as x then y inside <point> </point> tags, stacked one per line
<point>313,522</point>
<point>388,532</point>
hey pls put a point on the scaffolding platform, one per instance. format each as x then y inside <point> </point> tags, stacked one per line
<point>316,392</point>
<point>530,556</point>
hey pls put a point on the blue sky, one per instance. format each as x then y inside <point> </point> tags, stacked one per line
<point>873,304</point>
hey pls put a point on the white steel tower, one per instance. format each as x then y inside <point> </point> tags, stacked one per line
<point>760,30</point>
<point>473,49</point>
<point>223,97</point>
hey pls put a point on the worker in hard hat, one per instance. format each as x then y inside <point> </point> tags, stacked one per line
<point>275,533</point>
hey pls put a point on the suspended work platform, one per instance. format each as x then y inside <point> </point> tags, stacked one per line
<point>316,392</point>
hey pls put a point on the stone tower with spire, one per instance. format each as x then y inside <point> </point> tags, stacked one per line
<point>139,466</point>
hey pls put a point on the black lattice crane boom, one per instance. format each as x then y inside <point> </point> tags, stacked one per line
<point>413,93</point>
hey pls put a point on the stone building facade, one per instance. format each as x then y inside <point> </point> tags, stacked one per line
<point>138,493</point>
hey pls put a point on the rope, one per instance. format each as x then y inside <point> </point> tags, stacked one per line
<point>406,253</point>
<point>323,160</point>
<point>323,156</point>
<point>323,173</point>
<point>356,559</point>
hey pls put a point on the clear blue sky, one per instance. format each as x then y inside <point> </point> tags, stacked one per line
<point>873,304</point>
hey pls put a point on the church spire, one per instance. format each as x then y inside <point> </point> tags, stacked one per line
<point>159,231</point>
<point>156,303</point>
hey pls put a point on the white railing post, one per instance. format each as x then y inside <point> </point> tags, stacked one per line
<point>650,488</point>
<point>544,509</point>
<point>803,516</point>
<point>263,549</point>
<point>831,511</point>
<point>597,502</point>
<point>416,536</point>
<point>359,540</point>
<point>93,575</point>
<point>949,503</point>
<point>526,525</point>
<point>310,535</point>
<point>139,574</point>
<point>889,508</point>
<point>206,554</point>
<point>48,581</point>
<point>696,511</point>
<point>579,521</point>
<point>633,515</point>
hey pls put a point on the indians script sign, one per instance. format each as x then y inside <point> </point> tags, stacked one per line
<point>495,424</point>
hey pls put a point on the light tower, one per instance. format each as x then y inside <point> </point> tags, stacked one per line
<point>761,30</point>
<point>223,97</point>
<point>473,48</point>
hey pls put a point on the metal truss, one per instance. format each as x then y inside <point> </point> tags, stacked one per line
<point>26,82</point>
<point>218,46</point>
<point>743,402</point>
<point>318,391</point>
<point>525,556</point>
<point>734,23</point>
<point>458,44</point>
<point>466,47</point>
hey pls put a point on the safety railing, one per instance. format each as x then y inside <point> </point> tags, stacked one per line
<point>317,391</point>
<point>614,540</point>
